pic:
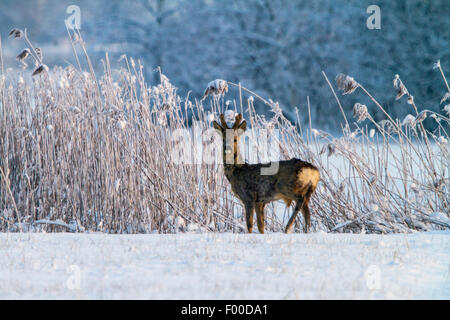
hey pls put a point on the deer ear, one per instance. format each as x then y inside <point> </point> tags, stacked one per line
<point>218,127</point>
<point>243,126</point>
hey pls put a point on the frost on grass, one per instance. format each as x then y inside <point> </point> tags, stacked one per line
<point>360,112</point>
<point>401,89</point>
<point>346,83</point>
<point>409,120</point>
<point>447,109</point>
<point>445,97</point>
<point>217,87</point>
<point>97,150</point>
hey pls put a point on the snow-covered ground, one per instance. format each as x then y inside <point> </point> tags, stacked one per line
<point>225,266</point>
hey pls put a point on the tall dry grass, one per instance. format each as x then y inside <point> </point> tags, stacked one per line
<point>80,152</point>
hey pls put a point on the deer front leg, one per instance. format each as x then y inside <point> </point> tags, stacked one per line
<point>260,217</point>
<point>249,217</point>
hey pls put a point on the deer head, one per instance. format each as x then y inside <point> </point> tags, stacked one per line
<point>230,138</point>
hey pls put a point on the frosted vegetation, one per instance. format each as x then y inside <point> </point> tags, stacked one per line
<point>82,151</point>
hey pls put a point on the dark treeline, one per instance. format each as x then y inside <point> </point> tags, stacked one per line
<point>276,48</point>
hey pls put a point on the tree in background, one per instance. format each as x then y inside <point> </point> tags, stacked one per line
<point>277,48</point>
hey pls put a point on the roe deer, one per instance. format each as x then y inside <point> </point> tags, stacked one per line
<point>295,180</point>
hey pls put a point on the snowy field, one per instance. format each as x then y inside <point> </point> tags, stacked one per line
<point>225,266</point>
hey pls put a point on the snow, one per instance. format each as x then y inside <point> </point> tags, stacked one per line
<point>225,266</point>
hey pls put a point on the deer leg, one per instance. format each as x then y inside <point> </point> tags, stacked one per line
<point>260,217</point>
<point>305,208</point>
<point>249,217</point>
<point>307,216</point>
<point>298,206</point>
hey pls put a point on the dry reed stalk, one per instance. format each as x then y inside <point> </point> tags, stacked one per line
<point>89,152</point>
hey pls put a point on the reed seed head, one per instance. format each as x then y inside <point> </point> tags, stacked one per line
<point>42,68</point>
<point>217,87</point>
<point>422,116</point>
<point>401,89</point>
<point>346,83</point>
<point>23,55</point>
<point>447,109</point>
<point>331,149</point>
<point>16,33</point>
<point>442,140</point>
<point>445,97</point>
<point>387,126</point>
<point>39,53</point>
<point>409,120</point>
<point>437,64</point>
<point>360,112</point>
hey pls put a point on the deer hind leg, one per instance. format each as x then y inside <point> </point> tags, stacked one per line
<point>260,217</point>
<point>307,216</point>
<point>297,208</point>
<point>305,209</point>
<point>249,208</point>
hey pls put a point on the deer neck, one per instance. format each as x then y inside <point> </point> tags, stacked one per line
<point>233,159</point>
